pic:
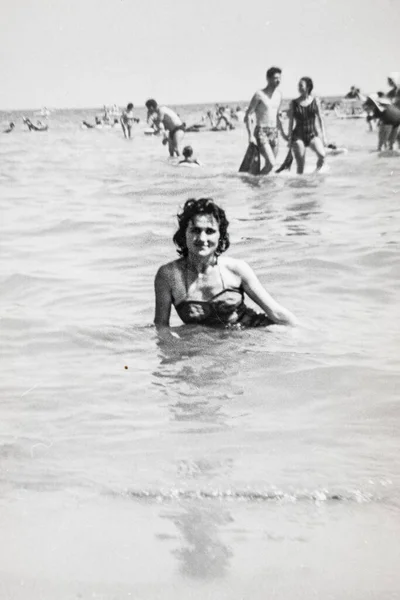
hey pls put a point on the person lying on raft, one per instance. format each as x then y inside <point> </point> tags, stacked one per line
<point>334,150</point>
<point>189,160</point>
<point>166,121</point>
<point>10,128</point>
<point>304,112</point>
<point>195,128</point>
<point>206,288</point>
<point>32,127</point>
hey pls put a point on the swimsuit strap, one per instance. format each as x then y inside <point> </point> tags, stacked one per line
<point>220,274</point>
<point>186,277</point>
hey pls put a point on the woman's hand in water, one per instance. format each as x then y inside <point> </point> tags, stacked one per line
<point>256,291</point>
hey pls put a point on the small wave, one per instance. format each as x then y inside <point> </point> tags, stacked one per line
<point>20,281</point>
<point>315,496</point>
<point>321,264</point>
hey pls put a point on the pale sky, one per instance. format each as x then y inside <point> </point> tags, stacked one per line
<point>80,53</point>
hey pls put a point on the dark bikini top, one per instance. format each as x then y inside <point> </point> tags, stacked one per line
<point>224,308</point>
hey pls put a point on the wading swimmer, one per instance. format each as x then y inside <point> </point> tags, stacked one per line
<point>206,288</point>
<point>127,119</point>
<point>166,121</point>
<point>304,112</point>
<point>223,122</point>
<point>388,115</point>
<point>189,160</point>
<point>266,106</point>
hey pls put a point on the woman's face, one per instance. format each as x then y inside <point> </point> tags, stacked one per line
<point>302,87</point>
<point>202,236</point>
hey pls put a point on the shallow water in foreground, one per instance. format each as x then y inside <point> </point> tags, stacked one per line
<point>219,464</point>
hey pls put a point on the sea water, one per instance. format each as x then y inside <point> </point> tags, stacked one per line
<point>221,464</point>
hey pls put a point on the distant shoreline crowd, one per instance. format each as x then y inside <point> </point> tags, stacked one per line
<point>263,119</point>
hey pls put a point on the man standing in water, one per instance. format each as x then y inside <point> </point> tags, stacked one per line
<point>266,105</point>
<point>168,122</point>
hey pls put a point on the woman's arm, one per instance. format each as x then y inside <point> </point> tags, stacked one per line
<point>162,288</point>
<point>321,122</point>
<point>256,291</point>
<point>290,127</point>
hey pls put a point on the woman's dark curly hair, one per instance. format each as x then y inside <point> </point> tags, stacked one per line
<point>202,206</point>
<point>309,84</point>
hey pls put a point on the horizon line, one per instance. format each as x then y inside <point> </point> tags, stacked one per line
<point>100,107</point>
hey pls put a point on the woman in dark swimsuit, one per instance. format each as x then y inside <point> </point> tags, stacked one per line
<point>304,112</point>
<point>205,288</point>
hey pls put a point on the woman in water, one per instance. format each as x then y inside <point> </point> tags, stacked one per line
<point>304,112</point>
<point>206,288</point>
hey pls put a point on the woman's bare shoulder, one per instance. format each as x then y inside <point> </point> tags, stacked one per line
<point>236,265</point>
<point>170,269</point>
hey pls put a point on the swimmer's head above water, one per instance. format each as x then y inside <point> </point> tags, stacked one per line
<point>187,151</point>
<point>201,207</point>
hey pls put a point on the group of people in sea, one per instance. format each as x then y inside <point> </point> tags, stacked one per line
<point>306,128</point>
<point>385,110</point>
<point>223,118</point>
<point>263,122</point>
<point>31,126</point>
<point>263,119</point>
<point>381,108</point>
<point>204,287</point>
